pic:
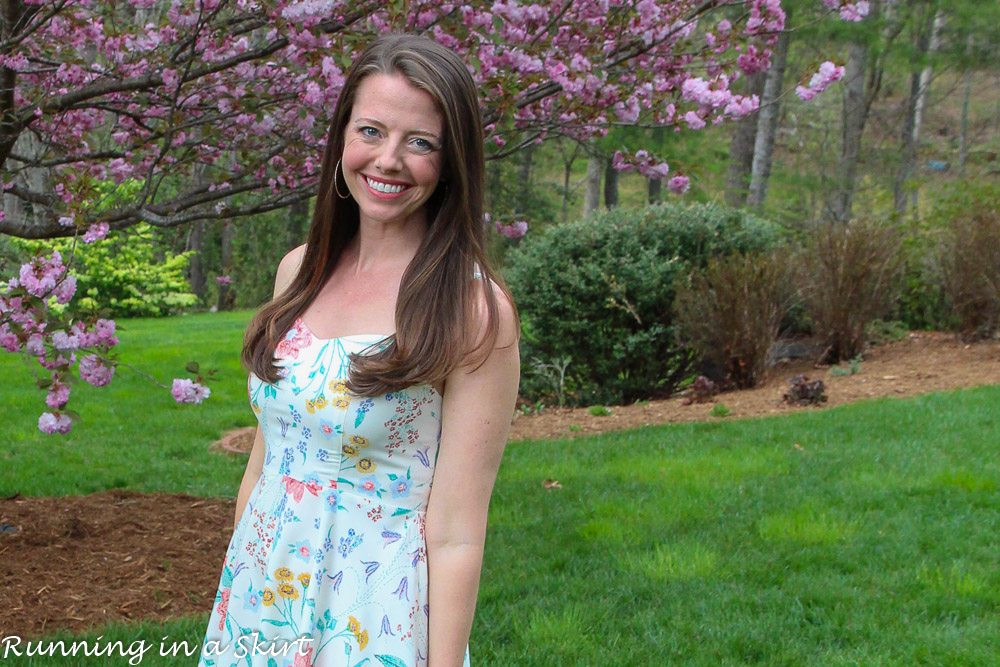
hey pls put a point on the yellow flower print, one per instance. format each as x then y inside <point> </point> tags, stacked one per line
<point>288,591</point>
<point>358,441</point>
<point>362,639</point>
<point>320,402</point>
<point>338,387</point>
<point>311,407</point>
<point>304,579</point>
<point>283,574</point>
<point>268,597</point>
<point>341,402</point>
<point>353,624</point>
<point>348,450</point>
<point>366,465</point>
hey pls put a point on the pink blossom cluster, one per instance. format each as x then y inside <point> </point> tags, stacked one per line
<point>185,390</point>
<point>28,326</point>
<point>514,230</point>
<point>850,10</point>
<point>223,280</point>
<point>827,74</point>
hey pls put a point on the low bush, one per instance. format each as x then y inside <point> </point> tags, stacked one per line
<point>127,274</point>
<point>599,292</point>
<point>849,277</point>
<point>970,261</point>
<point>730,313</point>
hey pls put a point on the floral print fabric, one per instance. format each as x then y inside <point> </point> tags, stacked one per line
<point>330,549</point>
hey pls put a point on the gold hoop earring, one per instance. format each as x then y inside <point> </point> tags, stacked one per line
<point>335,188</point>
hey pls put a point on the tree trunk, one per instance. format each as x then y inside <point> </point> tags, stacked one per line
<point>741,149</point>
<point>963,127</point>
<point>227,297</point>
<point>854,116</point>
<point>592,197</point>
<point>196,266</point>
<point>767,123</point>
<point>298,223</point>
<point>927,42</point>
<point>654,186</point>
<point>610,184</point>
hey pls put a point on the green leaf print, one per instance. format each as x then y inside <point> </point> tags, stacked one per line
<point>390,661</point>
<point>400,511</point>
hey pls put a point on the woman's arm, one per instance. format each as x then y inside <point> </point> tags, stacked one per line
<point>250,476</point>
<point>287,269</point>
<point>476,414</point>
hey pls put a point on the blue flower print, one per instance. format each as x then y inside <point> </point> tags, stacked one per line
<point>368,485</point>
<point>252,599</point>
<point>328,428</point>
<point>349,543</point>
<point>400,487</point>
<point>301,549</point>
<point>331,499</point>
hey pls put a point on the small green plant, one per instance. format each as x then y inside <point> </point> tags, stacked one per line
<point>599,411</point>
<point>853,368</point>
<point>575,428</point>
<point>535,408</point>
<point>720,410</point>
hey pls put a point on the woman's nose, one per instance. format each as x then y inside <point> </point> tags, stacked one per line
<point>389,157</point>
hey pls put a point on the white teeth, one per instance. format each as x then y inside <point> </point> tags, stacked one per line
<point>384,187</point>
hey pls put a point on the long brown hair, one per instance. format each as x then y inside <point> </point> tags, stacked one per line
<point>438,293</point>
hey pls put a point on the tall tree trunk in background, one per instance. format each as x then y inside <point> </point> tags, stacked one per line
<point>297,223</point>
<point>568,160</point>
<point>767,123</point>
<point>196,265</point>
<point>963,127</point>
<point>610,184</point>
<point>855,114</point>
<point>592,196</point>
<point>928,39</point>
<point>741,148</point>
<point>654,186</point>
<point>227,296</point>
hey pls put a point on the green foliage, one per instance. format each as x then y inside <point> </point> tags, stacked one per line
<point>969,256</point>
<point>599,411</point>
<point>850,277</point>
<point>600,292</point>
<point>720,410</point>
<point>731,311</point>
<point>127,274</point>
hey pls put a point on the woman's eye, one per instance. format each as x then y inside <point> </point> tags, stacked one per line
<point>422,144</point>
<point>368,131</point>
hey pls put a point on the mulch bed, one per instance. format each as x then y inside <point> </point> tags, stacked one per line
<point>76,563</point>
<point>83,561</point>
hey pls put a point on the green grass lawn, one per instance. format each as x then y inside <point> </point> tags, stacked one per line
<point>874,541</point>
<point>132,434</point>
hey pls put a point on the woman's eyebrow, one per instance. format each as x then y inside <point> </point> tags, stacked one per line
<point>375,121</point>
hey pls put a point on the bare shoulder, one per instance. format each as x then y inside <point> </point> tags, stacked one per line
<point>287,268</point>
<point>508,329</point>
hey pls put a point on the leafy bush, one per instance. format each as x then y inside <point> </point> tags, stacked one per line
<point>850,277</point>
<point>803,391</point>
<point>600,291</point>
<point>127,274</point>
<point>730,313</point>
<point>970,263</point>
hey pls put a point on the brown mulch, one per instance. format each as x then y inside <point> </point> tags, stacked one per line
<point>79,562</point>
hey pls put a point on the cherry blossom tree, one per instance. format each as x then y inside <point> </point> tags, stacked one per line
<point>214,109</point>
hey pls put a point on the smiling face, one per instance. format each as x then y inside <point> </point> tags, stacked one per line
<point>392,150</point>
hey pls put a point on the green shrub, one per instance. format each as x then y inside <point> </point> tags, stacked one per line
<point>127,274</point>
<point>600,292</point>
<point>850,277</point>
<point>730,313</point>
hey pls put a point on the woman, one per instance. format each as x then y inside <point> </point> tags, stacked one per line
<point>386,360</point>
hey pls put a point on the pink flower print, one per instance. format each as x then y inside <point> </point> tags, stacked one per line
<point>303,659</point>
<point>297,338</point>
<point>223,607</point>
<point>368,485</point>
<point>296,488</point>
